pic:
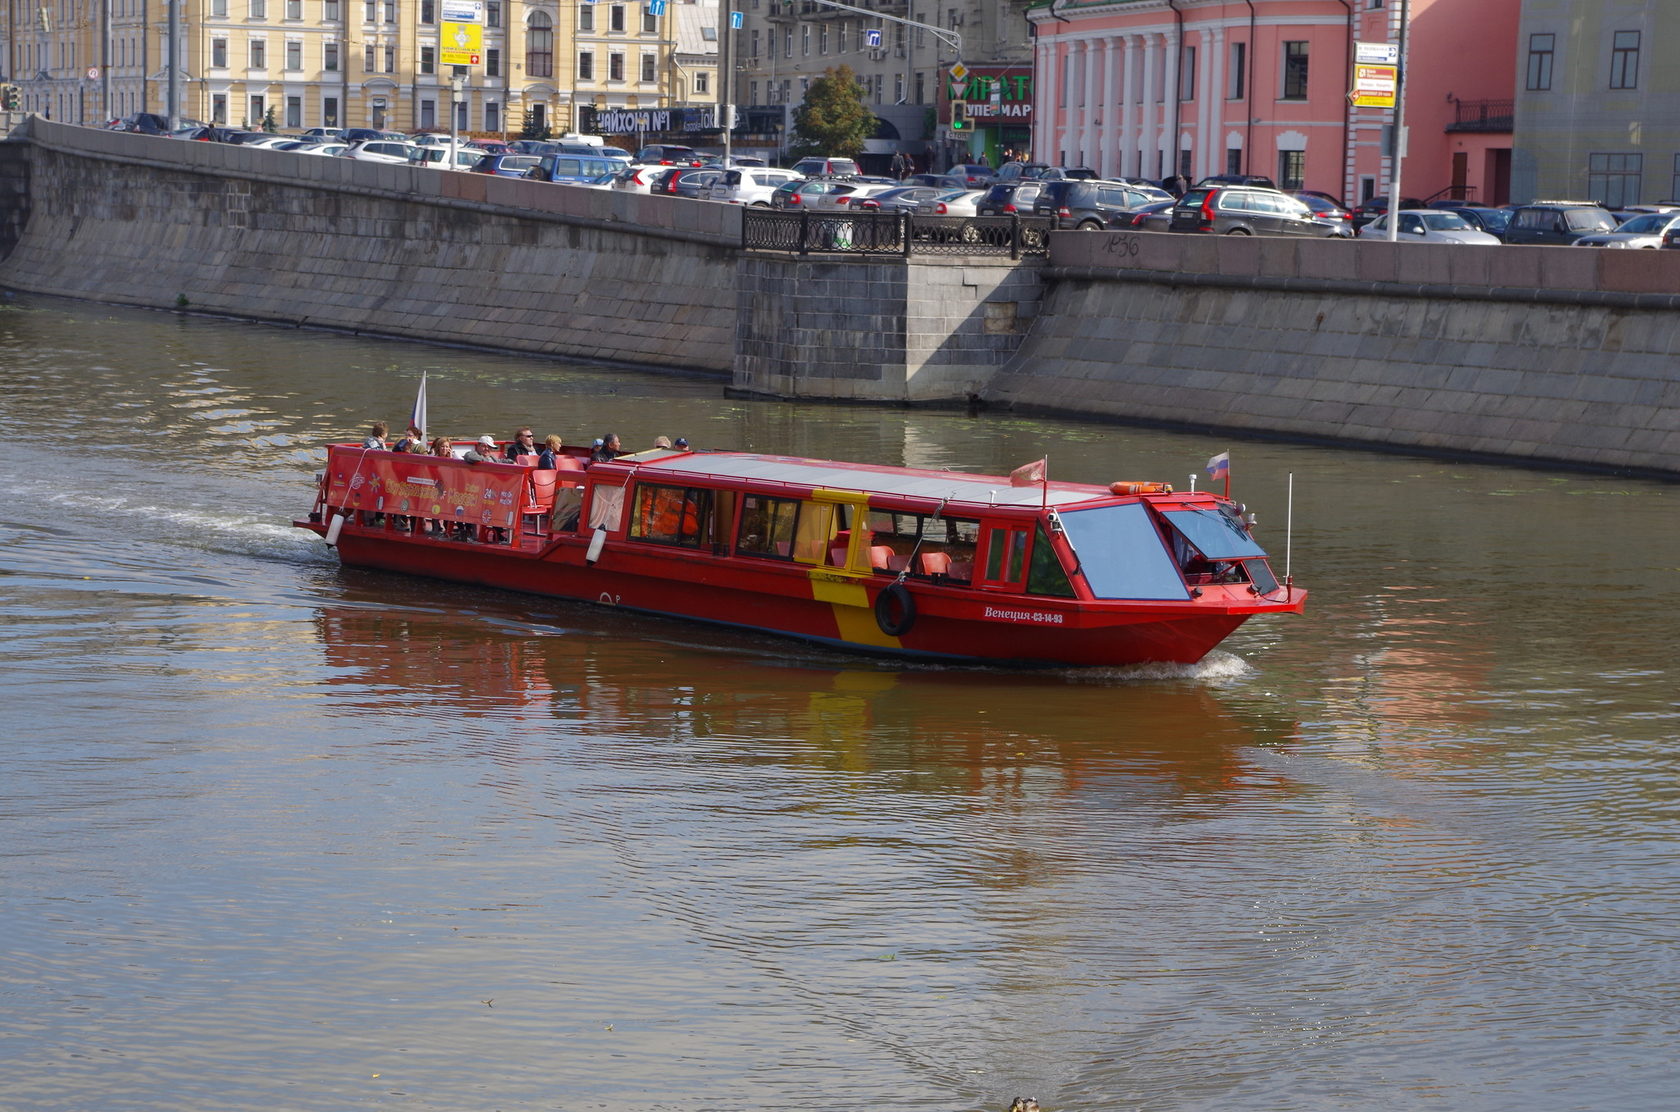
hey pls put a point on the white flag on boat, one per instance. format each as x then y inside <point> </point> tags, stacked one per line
<point>417,419</point>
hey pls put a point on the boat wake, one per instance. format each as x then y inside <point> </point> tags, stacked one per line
<point>1216,667</point>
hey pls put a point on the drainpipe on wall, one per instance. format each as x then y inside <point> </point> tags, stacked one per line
<point>1248,94</point>
<point>1177,89</point>
<point>1347,105</point>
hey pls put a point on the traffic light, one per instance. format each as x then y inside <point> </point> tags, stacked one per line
<point>959,115</point>
<point>10,97</point>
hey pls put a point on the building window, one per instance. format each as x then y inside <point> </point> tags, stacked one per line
<point>428,113</point>
<point>367,58</point>
<point>294,111</point>
<point>428,11</point>
<point>1239,70</point>
<point>752,92</point>
<point>370,11</point>
<point>218,10</point>
<point>822,39</point>
<point>1292,169</point>
<point>218,53</point>
<point>329,10</point>
<point>650,22</point>
<point>787,43</point>
<point>615,67</point>
<point>1624,60</point>
<point>390,11</point>
<point>1233,160</point>
<point>586,17</point>
<point>258,111</point>
<point>294,10</point>
<point>428,59</point>
<point>539,45</point>
<point>921,88</point>
<point>1187,74</point>
<point>754,40</point>
<point>586,66</point>
<point>492,18</point>
<point>649,61</point>
<point>1295,70</point>
<point>294,57</point>
<point>390,59</point>
<point>703,82</point>
<point>805,40</point>
<point>218,108</point>
<point>329,112</point>
<point>259,9</point>
<point>329,57</point>
<point>840,36</point>
<point>1540,48</point>
<point>493,61</point>
<point>259,54</point>
<point>615,18</point>
<point>1613,179</point>
<point>492,116</point>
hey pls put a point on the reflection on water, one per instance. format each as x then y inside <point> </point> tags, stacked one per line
<point>277,834</point>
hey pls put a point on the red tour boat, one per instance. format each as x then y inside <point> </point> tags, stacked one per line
<point>933,564</point>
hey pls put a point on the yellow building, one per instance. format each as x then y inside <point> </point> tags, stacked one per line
<point>346,63</point>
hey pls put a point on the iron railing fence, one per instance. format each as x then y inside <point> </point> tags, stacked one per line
<point>893,233</point>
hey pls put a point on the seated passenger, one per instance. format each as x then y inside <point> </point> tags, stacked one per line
<point>662,442</point>
<point>414,441</point>
<point>522,444</point>
<point>484,451</point>
<point>376,436</point>
<point>546,459</point>
<point>606,449</point>
<point>441,447</point>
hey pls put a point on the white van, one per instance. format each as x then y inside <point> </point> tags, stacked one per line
<point>446,157</point>
<point>750,185</point>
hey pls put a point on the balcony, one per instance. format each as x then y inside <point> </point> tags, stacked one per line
<point>1483,115</point>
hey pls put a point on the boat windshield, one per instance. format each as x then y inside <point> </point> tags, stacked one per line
<point>1121,553</point>
<point>1216,535</point>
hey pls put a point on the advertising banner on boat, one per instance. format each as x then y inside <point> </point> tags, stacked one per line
<point>424,486</point>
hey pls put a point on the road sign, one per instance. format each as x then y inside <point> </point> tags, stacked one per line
<point>93,73</point>
<point>1374,86</point>
<point>734,21</point>
<point>872,37</point>
<point>462,11</point>
<point>1376,53</point>
<point>958,70</point>
<point>656,7</point>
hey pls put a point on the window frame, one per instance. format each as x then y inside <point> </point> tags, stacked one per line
<point>1540,62</point>
<point>1297,73</point>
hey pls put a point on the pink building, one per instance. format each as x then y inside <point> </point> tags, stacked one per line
<point>1139,88</point>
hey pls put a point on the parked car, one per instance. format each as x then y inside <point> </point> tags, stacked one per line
<point>1244,210</point>
<point>636,179</point>
<point>571,167</point>
<point>1087,205</point>
<point>1557,222</point>
<point>210,134</point>
<point>952,202</point>
<point>970,175</point>
<point>1490,220</point>
<point>325,150</point>
<point>490,146</point>
<point>1237,179</point>
<point>505,165</point>
<point>323,134</point>
<point>150,123</point>
<point>666,154</point>
<point>1644,231</point>
<point>1009,198</point>
<point>1368,210</point>
<point>1149,218</point>
<point>899,198</point>
<point>1327,208</point>
<point>750,185</point>
<point>380,150</point>
<point>444,157</point>
<point>802,194</point>
<point>696,185</point>
<point>1429,225</point>
<point>825,167</point>
<point>430,139</point>
<point>845,194</point>
<point>533,146</point>
<point>359,134</point>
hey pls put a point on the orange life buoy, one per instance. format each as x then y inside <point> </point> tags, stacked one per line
<point>1140,488</point>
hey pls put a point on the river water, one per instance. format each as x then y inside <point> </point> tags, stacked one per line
<point>275,834</point>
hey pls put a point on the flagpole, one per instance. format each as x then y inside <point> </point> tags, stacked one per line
<point>1044,486</point>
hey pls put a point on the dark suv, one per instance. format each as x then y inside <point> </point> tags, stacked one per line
<point>1008,198</point>
<point>1244,210</point>
<point>1087,205</point>
<point>1557,222</point>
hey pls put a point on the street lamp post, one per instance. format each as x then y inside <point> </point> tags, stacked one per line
<point>1399,127</point>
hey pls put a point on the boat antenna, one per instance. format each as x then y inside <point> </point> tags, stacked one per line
<point>1289,542</point>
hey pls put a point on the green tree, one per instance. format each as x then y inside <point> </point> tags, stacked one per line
<point>833,120</point>
<point>532,126</point>
<point>269,123</point>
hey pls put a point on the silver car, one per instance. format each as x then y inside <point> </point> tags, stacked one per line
<point>1429,226</point>
<point>1646,230</point>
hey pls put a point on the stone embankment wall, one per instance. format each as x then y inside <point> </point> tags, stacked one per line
<point>1568,355</point>
<point>379,249</point>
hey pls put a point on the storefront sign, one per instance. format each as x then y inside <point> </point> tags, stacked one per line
<point>627,121</point>
<point>994,94</point>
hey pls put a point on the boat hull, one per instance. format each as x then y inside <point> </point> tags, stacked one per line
<point>957,623</point>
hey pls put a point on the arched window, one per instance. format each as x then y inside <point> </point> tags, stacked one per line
<point>539,45</point>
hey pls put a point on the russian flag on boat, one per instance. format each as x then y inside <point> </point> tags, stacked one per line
<point>1029,474</point>
<point>1220,466</point>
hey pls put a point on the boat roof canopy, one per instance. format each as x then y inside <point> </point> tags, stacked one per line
<point>959,488</point>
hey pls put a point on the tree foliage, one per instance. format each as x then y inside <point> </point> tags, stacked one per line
<point>533,126</point>
<point>833,119</point>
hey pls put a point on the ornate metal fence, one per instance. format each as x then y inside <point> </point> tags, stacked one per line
<point>893,233</point>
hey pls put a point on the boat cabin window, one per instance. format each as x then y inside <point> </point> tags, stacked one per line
<point>1213,546</point>
<point>1006,555</point>
<point>943,547</point>
<point>1121,553</point>
<point>1045,574</point>
<point>767,526</point>
<point>672,515</point>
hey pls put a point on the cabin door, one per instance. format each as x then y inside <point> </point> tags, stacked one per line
<point>1003,556</point>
